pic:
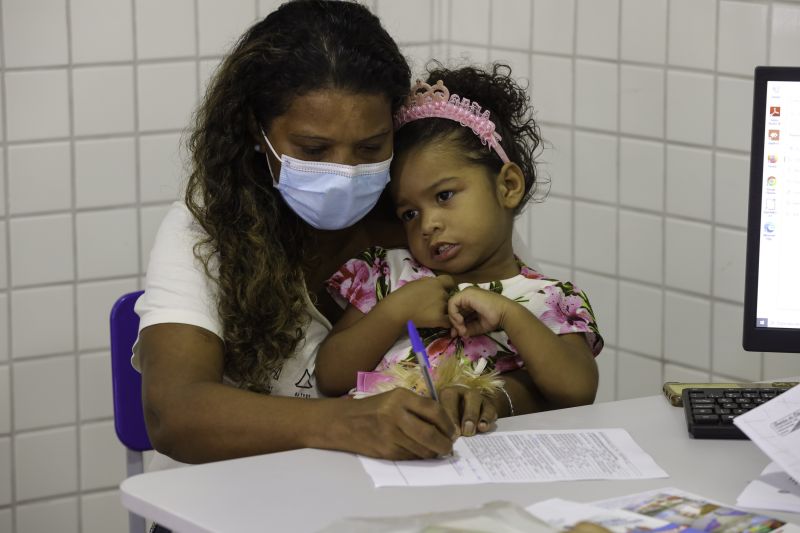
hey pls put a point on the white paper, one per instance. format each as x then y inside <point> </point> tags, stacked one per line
<point>563,514</point>
<point>524,456</point>
<point>774,490</point>
<point>774,427</point>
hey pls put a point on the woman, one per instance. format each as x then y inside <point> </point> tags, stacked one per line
<point>290,149</point>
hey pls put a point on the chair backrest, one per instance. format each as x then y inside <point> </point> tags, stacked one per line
<point>126,381</point>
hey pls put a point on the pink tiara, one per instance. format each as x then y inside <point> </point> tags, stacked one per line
<point>426,101</point>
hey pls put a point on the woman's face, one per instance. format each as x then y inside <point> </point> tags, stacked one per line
<point>335,126</point>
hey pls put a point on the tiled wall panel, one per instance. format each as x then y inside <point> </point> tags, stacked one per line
<point>644,106</point>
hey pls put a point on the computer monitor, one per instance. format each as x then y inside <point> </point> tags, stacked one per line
<point>772,276</point>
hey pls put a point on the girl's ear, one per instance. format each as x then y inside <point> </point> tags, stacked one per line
<point>510,183</point>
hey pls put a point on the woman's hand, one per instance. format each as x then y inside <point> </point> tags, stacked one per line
<point>394,425</point>
<point>470,410</point>
<point>475,311</point>
<point>424,301</point>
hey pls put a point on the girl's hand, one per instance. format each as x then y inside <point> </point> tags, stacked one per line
<point>393,425</point>
<point>468,408</point>
<point>475,311</point>
<point>425,301</point>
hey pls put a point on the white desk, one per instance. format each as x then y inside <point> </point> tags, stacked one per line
<point>305,490</point>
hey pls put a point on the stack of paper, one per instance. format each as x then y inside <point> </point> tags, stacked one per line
<point>775,428</point>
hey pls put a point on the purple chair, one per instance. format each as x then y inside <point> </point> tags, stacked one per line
<point>127,390</point>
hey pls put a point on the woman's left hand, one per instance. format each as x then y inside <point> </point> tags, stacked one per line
<point>470,410</point>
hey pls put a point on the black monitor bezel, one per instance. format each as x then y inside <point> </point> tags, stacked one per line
<point>754,338</point>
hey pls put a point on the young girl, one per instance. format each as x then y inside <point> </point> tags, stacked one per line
<point>460,176</point>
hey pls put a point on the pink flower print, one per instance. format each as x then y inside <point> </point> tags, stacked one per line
<point>507,363</point>
<point>413,271</point>
<point>530,273</point>
<point>392,358</point>
<point>441,347</point>
<point>566,313</point>
<point>381,267</point>
<point>481,346</point>
<point>353,281</point>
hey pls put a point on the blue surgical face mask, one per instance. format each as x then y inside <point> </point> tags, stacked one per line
<point>329,196</point>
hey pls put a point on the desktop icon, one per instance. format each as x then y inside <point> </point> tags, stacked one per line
<point>774,111</point>
<point>771,181</point>
<point>769,227</point>
<point>769,204</point>
<point>772,158</point>
<point>774,135</point>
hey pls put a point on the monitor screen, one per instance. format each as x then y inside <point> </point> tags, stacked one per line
<point>772,278</point>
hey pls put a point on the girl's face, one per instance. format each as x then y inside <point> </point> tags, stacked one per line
<point>457,215</point>
<point>335,126</point>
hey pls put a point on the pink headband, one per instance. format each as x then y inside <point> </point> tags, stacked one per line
<point>426,101</point>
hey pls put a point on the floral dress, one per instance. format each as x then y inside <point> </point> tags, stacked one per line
<point>369,277</point>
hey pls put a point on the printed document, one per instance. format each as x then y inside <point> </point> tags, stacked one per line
<point>774,489</point>
<point>524,457</point>
<point>774,427</point>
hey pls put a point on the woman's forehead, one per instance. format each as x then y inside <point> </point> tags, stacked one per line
<point>335,114</point>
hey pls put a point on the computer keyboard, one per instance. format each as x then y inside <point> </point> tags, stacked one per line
<point>710,411</point>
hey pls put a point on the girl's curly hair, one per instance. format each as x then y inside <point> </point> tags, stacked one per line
<point>509,108</point>
<point>256,246</point>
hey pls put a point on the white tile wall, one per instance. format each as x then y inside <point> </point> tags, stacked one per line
<point>45,392</point>
<point>53,515</point>
<point>511,23</point>
<point>644,29</point>
<point>554,26</point>
<point>641,174</point>
<point>596,94</point>
<point>32,308</point>
<point>36,104</point>
<point>641,243</point>
<point>595,166</point>
<point>689,182</point>
<point>645,105</point>
<point>102,512</point>
<point>46,463</point>
<point>692,33</point>
<point>35,168</point>
<point>34,33</point>
<point>742,37</point>
<point>165,29</point>
<point>94,386</point>
<point>110,41</point>
<point>690,107</point>
<point>103,100</point>
<point>105,172</point>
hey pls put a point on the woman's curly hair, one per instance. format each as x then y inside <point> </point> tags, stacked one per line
<point>256,246</point>
<point>509,108</point>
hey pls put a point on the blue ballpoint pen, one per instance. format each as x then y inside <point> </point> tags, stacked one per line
<point>422,358</point>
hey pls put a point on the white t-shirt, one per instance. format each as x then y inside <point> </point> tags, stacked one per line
<point>177,290</point>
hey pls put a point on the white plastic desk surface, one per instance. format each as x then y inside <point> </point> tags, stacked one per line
<point>305,490</point>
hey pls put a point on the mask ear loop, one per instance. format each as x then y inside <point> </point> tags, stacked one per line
<point>269,144</point>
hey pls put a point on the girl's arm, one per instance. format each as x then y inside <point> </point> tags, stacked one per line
<point>193,417</point>
<point>358,341</point>
<point>562,367</point>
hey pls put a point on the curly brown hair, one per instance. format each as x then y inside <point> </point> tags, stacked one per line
<point>510,109</point>
<point>256,246</point>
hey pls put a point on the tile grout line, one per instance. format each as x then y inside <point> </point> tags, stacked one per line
<point>9,340</point>
<point>664,176</point>
<point>618,184</point>
<point>712,210</point>
<point>75,275</point>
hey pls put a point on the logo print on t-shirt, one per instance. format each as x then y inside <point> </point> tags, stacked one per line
<point>277,374</point>
<point>305,381</point>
